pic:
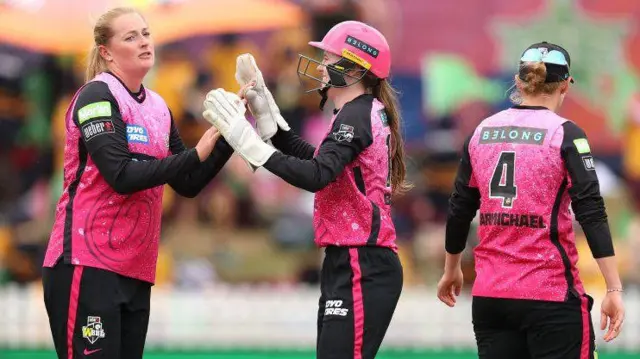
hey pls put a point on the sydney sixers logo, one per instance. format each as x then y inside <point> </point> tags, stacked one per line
<point>119,228</point>
<point>94,329</point>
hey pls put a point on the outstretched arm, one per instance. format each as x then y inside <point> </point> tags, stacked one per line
<point>269,122</point>
<point>291,144</point>
<point>190,183</point>
<point>104,138</point>
<point>350,135</point>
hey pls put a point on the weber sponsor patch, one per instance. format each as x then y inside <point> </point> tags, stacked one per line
<point>513,134</point>
<point>137,134</point>
<point>94,110</point>
<point>96,128</point>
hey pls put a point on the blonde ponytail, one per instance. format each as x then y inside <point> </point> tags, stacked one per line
<point>95,64</point>
<point>533,84</point>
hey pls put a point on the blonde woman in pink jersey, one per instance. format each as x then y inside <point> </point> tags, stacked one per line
<point>523,168</point>
<point>353,173</point>
<point>121,147</point>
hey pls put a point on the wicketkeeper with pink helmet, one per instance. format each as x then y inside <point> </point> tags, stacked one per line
<point>354,172</point>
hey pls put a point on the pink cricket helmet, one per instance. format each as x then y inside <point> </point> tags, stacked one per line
<point>360,43</point>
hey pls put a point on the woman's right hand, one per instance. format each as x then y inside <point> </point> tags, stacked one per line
<point>207,142</point>
<point>612,315</point>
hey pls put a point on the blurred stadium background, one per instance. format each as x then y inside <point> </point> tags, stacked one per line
<point>238,272</point>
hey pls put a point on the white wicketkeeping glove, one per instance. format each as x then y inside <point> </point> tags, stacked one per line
<point>225,111</point>
<point>260,101</point>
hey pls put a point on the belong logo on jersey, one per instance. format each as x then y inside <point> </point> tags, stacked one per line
<point>137,134</point>
<point>512,134</point>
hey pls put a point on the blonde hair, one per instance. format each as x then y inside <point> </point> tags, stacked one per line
<point>102,33</point>
<point>385,93</point>
<point>533,83</point>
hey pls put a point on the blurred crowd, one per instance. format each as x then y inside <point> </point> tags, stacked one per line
<point>245,227</point>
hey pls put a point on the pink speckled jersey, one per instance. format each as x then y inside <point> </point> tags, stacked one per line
<point>355,209</point>
<point>95,226</point>
<point>527,248</point>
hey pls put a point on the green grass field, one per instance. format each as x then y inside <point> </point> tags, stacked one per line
<point>256,354</point>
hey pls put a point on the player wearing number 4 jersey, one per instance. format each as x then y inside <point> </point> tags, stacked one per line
<point>522,168</point>
<point>354,172</point>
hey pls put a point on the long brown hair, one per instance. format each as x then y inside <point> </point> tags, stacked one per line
<point>385,93</point>
<point>102,32</point>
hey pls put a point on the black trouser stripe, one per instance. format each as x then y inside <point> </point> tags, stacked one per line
<point>553,234</point>
<point>73,188</point>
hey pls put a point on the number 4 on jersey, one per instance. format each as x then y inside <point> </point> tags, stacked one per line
<point>503,180</point>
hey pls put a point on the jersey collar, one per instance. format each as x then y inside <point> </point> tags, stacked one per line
<point>138,96</point>
<point>523,107</point>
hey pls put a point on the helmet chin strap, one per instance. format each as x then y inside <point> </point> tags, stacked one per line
<point>336,79</point>
<point>337,72</point>
<point>323,94</point>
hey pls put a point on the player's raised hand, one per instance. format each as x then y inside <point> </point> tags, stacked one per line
<point>260,101</point>
<point>225,111</point>
<point>207,142</point>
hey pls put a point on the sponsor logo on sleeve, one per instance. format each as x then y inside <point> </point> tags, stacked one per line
<point>582,145</point>
<point>589,163</point>
<point>94,110</point>
<point>137,134</point>
<point>96,128</point>
<point>344,134</point>
<point>384,118</point>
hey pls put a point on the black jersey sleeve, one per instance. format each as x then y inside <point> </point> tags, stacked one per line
<point>463,205</point>
<point>586,201</point>
<point>104,137</point>
<point>190,183</point>
<point>349,136</point>
<point>291,144</point>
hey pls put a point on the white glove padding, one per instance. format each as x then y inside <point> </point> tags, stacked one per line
<point>259,98</point>
<point>225,111</point>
